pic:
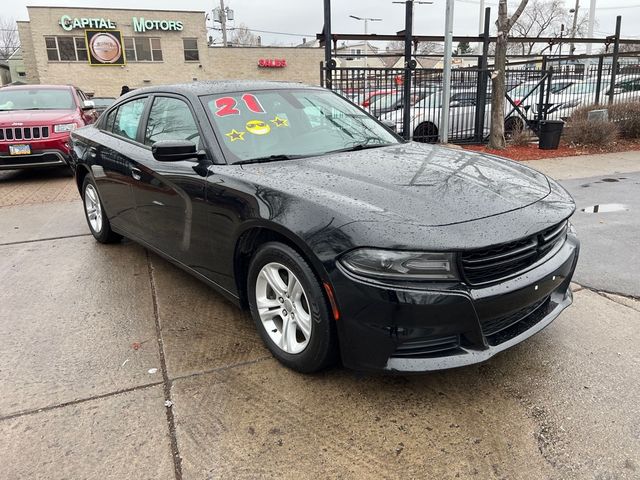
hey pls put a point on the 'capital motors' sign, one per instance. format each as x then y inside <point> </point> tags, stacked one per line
<point>141,24</point>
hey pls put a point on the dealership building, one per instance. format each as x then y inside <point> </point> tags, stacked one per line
<point>100,50</point>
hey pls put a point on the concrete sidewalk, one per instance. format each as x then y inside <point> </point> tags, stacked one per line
<point>584,166</point>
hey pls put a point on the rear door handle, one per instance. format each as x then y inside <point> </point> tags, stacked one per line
<point>136,173</point>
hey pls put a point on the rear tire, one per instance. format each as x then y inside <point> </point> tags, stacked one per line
<point>290,310</point>
<point>426,133</point>
<point>95,214</point>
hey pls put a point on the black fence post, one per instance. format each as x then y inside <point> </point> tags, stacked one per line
<point>548,92</point>
<point>408,60</point>
<point>483,67</point>
<point>541,106</point>
<point>327,43</point>
<point>599,80</point>
<point>614,59</point>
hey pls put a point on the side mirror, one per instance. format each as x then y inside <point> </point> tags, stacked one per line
<point>88,105</point>
<point>174,150</point>
<point>389,124</point>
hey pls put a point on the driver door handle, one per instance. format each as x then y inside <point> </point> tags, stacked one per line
<point>136,173</point>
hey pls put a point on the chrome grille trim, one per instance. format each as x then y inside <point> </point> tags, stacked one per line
<point>12,134</point>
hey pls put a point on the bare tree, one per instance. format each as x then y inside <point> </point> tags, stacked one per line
<point>395,46</point>
<point>504,24</point>
<point>9,39</point>
<point>541,18</point>
<point>242,37</point>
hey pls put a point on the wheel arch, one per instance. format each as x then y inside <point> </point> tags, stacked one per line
<point>81,172</point>
<point>425,123</point>
<point>252,236</point>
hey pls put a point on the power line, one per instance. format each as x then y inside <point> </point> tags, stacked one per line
<point>267,31</point>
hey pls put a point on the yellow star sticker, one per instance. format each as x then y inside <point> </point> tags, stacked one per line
<point>235,135</point>
<point>280,122</point>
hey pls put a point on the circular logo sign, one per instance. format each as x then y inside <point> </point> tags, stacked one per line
<point>105,48</point>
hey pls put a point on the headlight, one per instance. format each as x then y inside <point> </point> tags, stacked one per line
<point>64,127</point>
<point>399,265</point>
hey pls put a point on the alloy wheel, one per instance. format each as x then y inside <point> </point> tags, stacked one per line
<point>283,308</point>
<point>92,208</point>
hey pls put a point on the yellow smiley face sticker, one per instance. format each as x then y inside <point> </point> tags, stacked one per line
<point>257,127</point>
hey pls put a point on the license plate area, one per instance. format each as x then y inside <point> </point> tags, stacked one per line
<point>20,149</point>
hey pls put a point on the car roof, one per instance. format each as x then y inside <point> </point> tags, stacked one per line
<point>213,87</point>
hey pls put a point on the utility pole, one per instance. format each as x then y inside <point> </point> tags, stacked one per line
<point>223,23</point>
<point>366,32</point>
<point>446,77</point>
<point>572,48</point>
<point>592,19</point>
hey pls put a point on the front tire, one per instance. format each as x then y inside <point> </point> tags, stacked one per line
<point>289,308</point>
<point>95,214</point>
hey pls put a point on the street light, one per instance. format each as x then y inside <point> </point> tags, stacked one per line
<point>366,21</point>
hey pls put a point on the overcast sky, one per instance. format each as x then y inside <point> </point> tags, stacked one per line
<point>304,17</point>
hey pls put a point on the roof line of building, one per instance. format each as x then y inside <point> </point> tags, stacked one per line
<point>112,9</point>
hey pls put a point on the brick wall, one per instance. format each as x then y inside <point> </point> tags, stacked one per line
<point>214,63</point>
<point>303,64</point>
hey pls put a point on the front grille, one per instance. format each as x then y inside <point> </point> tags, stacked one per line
<point>10,134</point>
<point>500,330</point>
<point>501,261</point>
<point>429,347</point>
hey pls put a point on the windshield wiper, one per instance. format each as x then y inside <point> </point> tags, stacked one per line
<point>361,146</point>
<point>269,158</point>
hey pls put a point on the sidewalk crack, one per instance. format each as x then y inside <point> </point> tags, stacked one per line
<point>177,460</point>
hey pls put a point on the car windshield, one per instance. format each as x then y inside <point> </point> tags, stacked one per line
<point>36,99</point>
<point>580,88</point>
<point>280,124</point>
<point>524,89</point>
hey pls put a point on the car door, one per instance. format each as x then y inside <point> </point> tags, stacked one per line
<point>115,150</point>
<point>170,195</point>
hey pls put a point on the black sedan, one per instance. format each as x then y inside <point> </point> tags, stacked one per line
<point>342,240</point>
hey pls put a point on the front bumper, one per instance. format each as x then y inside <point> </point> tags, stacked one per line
<point>50,152</point>
<point>393,329</point>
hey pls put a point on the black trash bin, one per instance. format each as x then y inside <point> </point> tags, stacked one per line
<point>550,132</point>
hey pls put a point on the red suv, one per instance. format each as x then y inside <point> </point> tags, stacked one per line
<point>35,123</point>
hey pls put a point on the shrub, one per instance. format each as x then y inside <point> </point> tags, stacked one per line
<point>627,116</point>
<point>580,131</point>
<point>519,135</point>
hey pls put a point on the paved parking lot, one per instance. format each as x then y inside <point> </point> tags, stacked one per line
<point>95,339</point>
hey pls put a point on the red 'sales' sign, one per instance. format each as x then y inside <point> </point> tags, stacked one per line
<point>272,63</point>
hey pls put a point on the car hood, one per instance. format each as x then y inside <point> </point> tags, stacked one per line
<point>34,117</point>
<point>415,183</point>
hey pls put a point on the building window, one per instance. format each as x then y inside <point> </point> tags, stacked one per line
<point>191,53</point>
<point>66,49</point>
<point>142,49</point>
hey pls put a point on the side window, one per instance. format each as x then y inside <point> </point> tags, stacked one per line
<point>170,119</point>
<point>127,119</point>
<point>109,121</point>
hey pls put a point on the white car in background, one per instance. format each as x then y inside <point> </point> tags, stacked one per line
<point>527,94</point>
<point>426,116</point>
<point>627,87</point>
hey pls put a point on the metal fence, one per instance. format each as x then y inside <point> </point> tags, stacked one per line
<point>553,89</point>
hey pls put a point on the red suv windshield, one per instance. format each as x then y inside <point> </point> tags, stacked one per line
<point>36,99</point>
